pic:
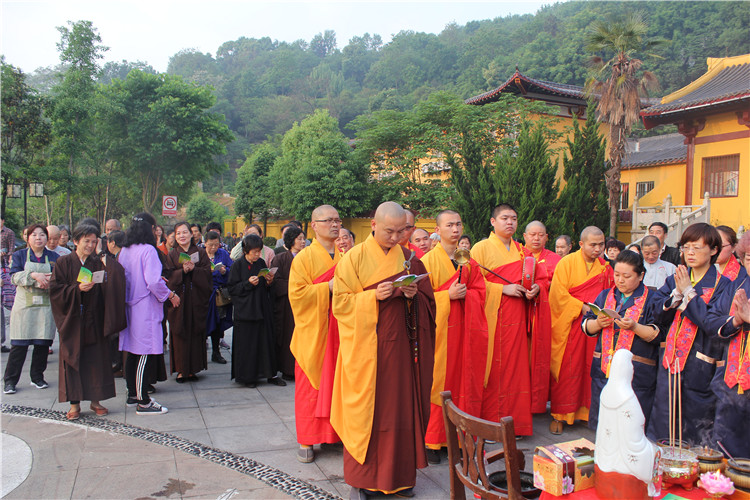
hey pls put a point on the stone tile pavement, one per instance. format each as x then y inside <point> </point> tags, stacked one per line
<point>257,425</point>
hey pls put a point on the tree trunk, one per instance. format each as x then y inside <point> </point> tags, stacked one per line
<point>68,209</point>
<point>616,152</point>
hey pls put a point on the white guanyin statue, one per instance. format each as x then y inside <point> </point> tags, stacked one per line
<point>627,463</point>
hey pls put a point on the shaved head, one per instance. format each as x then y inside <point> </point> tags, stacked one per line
<point>326,225</point>
<point>444,212</point>
<point>390,209</point>
<point>321,210</point>
<point>592,243</point>
<point>53,231</point>
<point>389,225</point>
<point>591,231</point>
<point>535,224</point>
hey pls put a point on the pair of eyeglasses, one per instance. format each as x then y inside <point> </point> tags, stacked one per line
<point>689,249</point>
<point>330,221</point>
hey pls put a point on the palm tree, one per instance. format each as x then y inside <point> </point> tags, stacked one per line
<point>618,85</point>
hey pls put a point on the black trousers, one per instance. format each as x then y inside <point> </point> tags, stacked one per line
<point>17,357</point>
<point>138,375</point>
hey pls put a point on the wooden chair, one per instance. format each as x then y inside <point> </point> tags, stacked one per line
<point>467,459</point>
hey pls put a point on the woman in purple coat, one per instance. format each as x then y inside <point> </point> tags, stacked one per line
<point>145,294</point>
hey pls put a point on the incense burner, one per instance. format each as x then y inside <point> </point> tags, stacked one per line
<point>709,460</point>
<point>679,467</point>
<point>738,471</point>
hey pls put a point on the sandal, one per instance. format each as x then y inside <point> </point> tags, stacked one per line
<point>181,379</point>
<point>556,427</point>
<point>73,414</point>
<point>99,410</point>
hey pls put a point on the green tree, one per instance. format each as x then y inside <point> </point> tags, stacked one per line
<point>584,199</point>
<point>316,167</point>
<point>25,131</point>
<point>253,190</point>
<point>202,209</point>
<point>526,178</point>
<point>618,84</point>
<point>167,138</point>
<point>80,50</point>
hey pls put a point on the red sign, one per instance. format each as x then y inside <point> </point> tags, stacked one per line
<point>169,206</point>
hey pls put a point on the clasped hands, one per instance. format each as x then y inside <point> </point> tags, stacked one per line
<point>741,307</point>
<point>515,290</point>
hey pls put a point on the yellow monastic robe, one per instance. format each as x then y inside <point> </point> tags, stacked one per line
<point>492,253</point>
<point>570,272</point>
<point>440,267</point>
<point>356,309</point>
<point>573,281</point>
<point>310,302</point>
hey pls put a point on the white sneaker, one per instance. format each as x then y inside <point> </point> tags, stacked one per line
<point>153,408</point>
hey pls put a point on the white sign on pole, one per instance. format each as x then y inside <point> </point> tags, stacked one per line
<point>169,206</point>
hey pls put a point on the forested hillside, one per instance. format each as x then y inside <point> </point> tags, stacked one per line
<point>263,86</point>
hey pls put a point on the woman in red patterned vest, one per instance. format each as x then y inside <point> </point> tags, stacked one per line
<point>691,307</point>
<point>635,331</point>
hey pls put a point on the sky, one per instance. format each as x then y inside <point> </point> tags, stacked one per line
<point>153,31</point>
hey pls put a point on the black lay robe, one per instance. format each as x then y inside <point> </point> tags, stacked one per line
<point>253,356</point>
<point>85,320</point>
<point>187,323</point>
<point>283,317</point>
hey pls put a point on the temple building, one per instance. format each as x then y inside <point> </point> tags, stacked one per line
<point>710,154</point>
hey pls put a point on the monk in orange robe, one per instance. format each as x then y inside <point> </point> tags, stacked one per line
<point>535,238</point>
<point>578,278</point>
<point>411,222</point>
<point>381,390</point>
<point>508,374</point>
<point>460,332</point>
<point>315,341</point>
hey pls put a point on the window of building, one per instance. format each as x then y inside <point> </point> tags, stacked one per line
<point>624,198</point>
<point>721,175</point>
<point>641,188</point>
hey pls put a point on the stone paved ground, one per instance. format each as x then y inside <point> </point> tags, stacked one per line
<point>214,411</point>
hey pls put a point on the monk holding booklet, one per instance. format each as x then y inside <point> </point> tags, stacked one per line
<point>579,278</point>
<point>460,330</point>
<point>381,390</point>
<point>315,341</point>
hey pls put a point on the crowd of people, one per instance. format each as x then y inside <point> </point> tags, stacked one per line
<point>372,332</point>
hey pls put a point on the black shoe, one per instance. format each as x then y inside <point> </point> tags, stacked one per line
<point>4,349</point>
<point>192,378</point>
<point>40,384</point>
<point>131,402</point>
<point>361,494</point>
<point>407,493</point>
<point>150,389</point>
<point>251,385</point>
<point>289,378</point>
<point>10,388</point>
<point>277,381</point>
<point>218,358</point>
<point>433,456</point>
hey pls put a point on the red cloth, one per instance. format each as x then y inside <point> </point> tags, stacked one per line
<point>572,390</point>
<point>590,494</point>
<point>508,390</point>
<point>466,352</point>
<point>548,259</point>
<point>313,408</point>
<point>541,341</point>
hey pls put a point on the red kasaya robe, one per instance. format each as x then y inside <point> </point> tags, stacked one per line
<point>508,376</point>
<point>460,341</point>
<point>417,252</point>
<point>540,326</point>
<point>574,283</point>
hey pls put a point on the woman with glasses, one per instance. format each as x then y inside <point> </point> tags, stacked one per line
<point>634,330</point>
<point>691,307</point>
